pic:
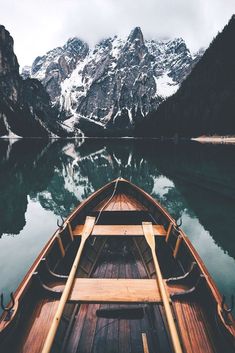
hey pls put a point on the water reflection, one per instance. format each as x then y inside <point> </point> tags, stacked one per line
<point>195,182</point>
<point>21,173</point>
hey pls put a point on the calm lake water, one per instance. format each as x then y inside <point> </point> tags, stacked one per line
<point>40,181</point>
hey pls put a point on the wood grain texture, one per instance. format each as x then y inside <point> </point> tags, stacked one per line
<point>90,221</point>
<point>119,230</point>
<point>196,333</point>
<point>121,202</point>
<point>149,236</point>
<point>115,290</point>
<point>39,322</point>
<point>91,334</point>
<point>145,343</point>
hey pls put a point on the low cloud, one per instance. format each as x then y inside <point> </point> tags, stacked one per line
<point>40,26</point>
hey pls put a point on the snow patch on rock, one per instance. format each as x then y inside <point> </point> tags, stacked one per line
<point>166,87</point>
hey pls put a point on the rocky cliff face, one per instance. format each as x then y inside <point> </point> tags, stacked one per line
<point>118,82</point>
<point>58,64</point>
<point>25,108</point>
<point>204,104</point>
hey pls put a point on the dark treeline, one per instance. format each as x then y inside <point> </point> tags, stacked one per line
<point>205,102</point>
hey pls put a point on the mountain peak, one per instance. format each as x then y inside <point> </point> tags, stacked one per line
<point>136,33</point>
<point>231,22</point>
<point>74,41</point>
<point>75,45</point>
<point>120,79</point>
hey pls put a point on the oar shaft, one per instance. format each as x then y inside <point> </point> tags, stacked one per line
<point>67,289</point>
<point>149,236</point>
<point>166,303</point>
<point>63,300</point>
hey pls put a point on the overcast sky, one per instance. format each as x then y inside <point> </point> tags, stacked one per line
<point>38,26</point>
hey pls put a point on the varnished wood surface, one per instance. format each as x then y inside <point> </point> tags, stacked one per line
<point>196,332</point>
<point>89,224</point>
<point>115,290</point>
<point>34,333</point>
<point>150,239</point>
<point>92,334</point>
<point>118,290</point>
<point>145,343</point>
<point>121,202</point>
<point>120,230</point>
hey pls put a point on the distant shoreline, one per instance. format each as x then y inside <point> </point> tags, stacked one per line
<point>215,139</point>
<point>200,139</point>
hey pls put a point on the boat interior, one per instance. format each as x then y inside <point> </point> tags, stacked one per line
<point>115,305</point>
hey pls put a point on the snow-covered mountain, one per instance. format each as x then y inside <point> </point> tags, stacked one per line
<point>118,81</point>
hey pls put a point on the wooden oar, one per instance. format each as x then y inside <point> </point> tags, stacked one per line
<point>87,230</point>
<point>149,236</point>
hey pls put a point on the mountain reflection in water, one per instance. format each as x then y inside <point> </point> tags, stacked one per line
<point>41,180</point>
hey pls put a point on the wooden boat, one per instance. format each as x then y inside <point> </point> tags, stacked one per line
<point>119,275</point>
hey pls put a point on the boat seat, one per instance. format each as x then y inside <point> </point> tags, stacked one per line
<point>115,290</point>
<point>120,230</point>
<point>103,290</point>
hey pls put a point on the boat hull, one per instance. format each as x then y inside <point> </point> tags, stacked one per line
<point>116,281</point>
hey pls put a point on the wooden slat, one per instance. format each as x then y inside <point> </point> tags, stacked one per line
<point>114,290</point>
<point>61,246</point>
<point>121,290</point>
<point>169,231</point>
<point>39,320</point>
<point>70,230</point>
<point>121,202</point>
<point>122,230</point>
<point>196,334</point>
<point>77,329</point>
<point>177,246</point>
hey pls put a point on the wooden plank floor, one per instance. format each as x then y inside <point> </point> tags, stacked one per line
<point>121,202</point>
<point>91,334</point>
